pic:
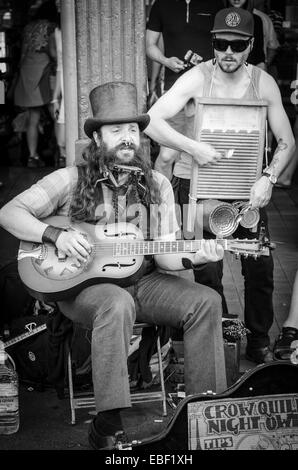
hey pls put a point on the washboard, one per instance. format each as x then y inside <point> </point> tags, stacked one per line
<point>228,124</point>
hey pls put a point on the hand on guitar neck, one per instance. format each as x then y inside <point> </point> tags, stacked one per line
<point>210,251</point>
<point>117,255</point>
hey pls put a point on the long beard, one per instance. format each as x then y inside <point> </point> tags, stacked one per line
<point>109,158</point>
<point>97,159</point>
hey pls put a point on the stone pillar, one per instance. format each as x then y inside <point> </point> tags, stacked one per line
<point>68,32</point>
<point>109,46</point>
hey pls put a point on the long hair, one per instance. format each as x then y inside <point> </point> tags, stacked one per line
<point>85,198</point>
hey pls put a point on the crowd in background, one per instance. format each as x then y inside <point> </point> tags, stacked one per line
<point>35,92</point>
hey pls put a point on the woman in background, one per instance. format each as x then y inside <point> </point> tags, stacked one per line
<point>33,89</point>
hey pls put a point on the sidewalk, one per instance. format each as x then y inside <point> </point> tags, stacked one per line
<point>45,420</point>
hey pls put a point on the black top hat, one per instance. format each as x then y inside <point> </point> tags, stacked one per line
<point>114,102</point>
<point>234,20</point>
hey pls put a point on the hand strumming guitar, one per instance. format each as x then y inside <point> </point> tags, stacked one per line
<point>73,243</point>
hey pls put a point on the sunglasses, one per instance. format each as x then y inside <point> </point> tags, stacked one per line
<point>239,45</point>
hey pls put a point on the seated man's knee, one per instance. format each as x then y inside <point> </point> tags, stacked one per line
<point>119,309</point>
<point>207,305</point>
<point>212,305</point>
<point>214,300</point>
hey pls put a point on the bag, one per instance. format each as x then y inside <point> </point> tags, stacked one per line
<point>30,353</point>
<point>15,299</point>
<point>41,359</point>
<point>63,334</point>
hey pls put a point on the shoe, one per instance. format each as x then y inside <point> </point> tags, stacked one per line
<point>103,442</point>
<point>284,345</point>
<point>259,355</point>
<point>35,162</point>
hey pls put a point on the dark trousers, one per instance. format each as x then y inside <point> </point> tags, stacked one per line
<point>257,273</point>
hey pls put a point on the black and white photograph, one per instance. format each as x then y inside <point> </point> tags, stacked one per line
<point>148,228</point>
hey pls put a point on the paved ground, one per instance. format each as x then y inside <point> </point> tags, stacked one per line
<point>45,420</point>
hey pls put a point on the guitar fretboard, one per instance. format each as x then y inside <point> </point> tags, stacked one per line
<point>23,336</point>
<point>154,247</point>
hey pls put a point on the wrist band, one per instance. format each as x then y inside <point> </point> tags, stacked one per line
<point>51,234</point>
<point>189,265</point>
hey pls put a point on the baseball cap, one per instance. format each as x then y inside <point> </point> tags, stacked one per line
<point>234,20</point>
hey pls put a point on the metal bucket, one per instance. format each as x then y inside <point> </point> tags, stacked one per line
<point>219,218</point>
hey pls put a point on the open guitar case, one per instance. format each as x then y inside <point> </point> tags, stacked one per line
<point>267,381</point>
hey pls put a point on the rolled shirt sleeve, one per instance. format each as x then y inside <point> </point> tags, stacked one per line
<point>51,195</point>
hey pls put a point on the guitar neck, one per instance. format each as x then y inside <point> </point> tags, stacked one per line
<point>23,336</point>
<point>155,247</point>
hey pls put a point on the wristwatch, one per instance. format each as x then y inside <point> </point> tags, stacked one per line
<point>272,178</point>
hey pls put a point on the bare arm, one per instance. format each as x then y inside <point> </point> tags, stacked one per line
<point>57,95</point>
<point>281,128</point>
<point>156,69</point>
<point>170,104</point>
<point>156,52</point>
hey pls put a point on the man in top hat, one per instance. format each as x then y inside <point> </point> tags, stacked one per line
<point>97,192</point>
<point>229,76</point>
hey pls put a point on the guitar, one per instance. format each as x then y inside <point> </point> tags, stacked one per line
<point>117,256</point>
<point>34,330</point>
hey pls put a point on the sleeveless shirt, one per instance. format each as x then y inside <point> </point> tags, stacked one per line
<point>182,168</point>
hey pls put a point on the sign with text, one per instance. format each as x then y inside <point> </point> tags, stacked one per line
<point>257,423</point>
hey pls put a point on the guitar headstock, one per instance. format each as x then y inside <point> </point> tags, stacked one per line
<point>249,247</point>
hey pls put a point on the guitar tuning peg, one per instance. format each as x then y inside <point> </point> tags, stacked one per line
<point>255,257</point>
<point>237,256</point>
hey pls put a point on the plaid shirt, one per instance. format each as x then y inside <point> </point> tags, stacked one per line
<point>52,195</point>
